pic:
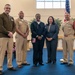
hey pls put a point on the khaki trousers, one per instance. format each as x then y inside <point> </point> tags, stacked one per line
<point>68,49</point>
<point>21,49</point>
<point>6,44</point>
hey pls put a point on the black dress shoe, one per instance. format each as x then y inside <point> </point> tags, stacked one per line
<point>41,64</point>
<point>25,64</point>
<point>12,69</point>
<point>35,65</point>
<point>54,62</point>
<point>69,64</point>
<point>48,62</point>
<point>64,63</point>
<point>1,73</point>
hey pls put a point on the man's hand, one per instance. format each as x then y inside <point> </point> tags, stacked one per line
<point>39,37</point>
<point>25,35</point>
<point>49,39</point>
<point>10,34</point>
<point>66,35</point>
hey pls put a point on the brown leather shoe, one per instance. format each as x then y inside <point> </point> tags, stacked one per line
<point>12,69</point>
<point>1,73</point>
<point>19,66</point>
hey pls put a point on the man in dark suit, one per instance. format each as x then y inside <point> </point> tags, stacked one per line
<point>38,33</point>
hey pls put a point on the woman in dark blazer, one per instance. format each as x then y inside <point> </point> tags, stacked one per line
<point>52,31</point>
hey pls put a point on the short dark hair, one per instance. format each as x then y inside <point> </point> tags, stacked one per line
<point>37,15</point>
<point>53,20</point>
<point>21,12</point>
<point>7,4</point>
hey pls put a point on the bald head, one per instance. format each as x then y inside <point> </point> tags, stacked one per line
<point>21,14</point>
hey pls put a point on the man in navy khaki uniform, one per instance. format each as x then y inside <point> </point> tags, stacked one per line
<point>22,30</point>
<point>68,40</point>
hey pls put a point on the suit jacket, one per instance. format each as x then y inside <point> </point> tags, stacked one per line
<point>37,29</point>
<point>6,24</point>
<point>53,32</point>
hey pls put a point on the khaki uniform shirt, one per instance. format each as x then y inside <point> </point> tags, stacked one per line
<point>68,28</point>
<point>22,25</point>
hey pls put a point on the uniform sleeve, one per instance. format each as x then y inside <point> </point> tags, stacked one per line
<point>26,22</point>
<point>17,24</point>
<point>2,28</point>
<point>33,30</point>
<point>74,25</point>
<point>56,33</point>
<point>62,27</point>
<point>27,30</point>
